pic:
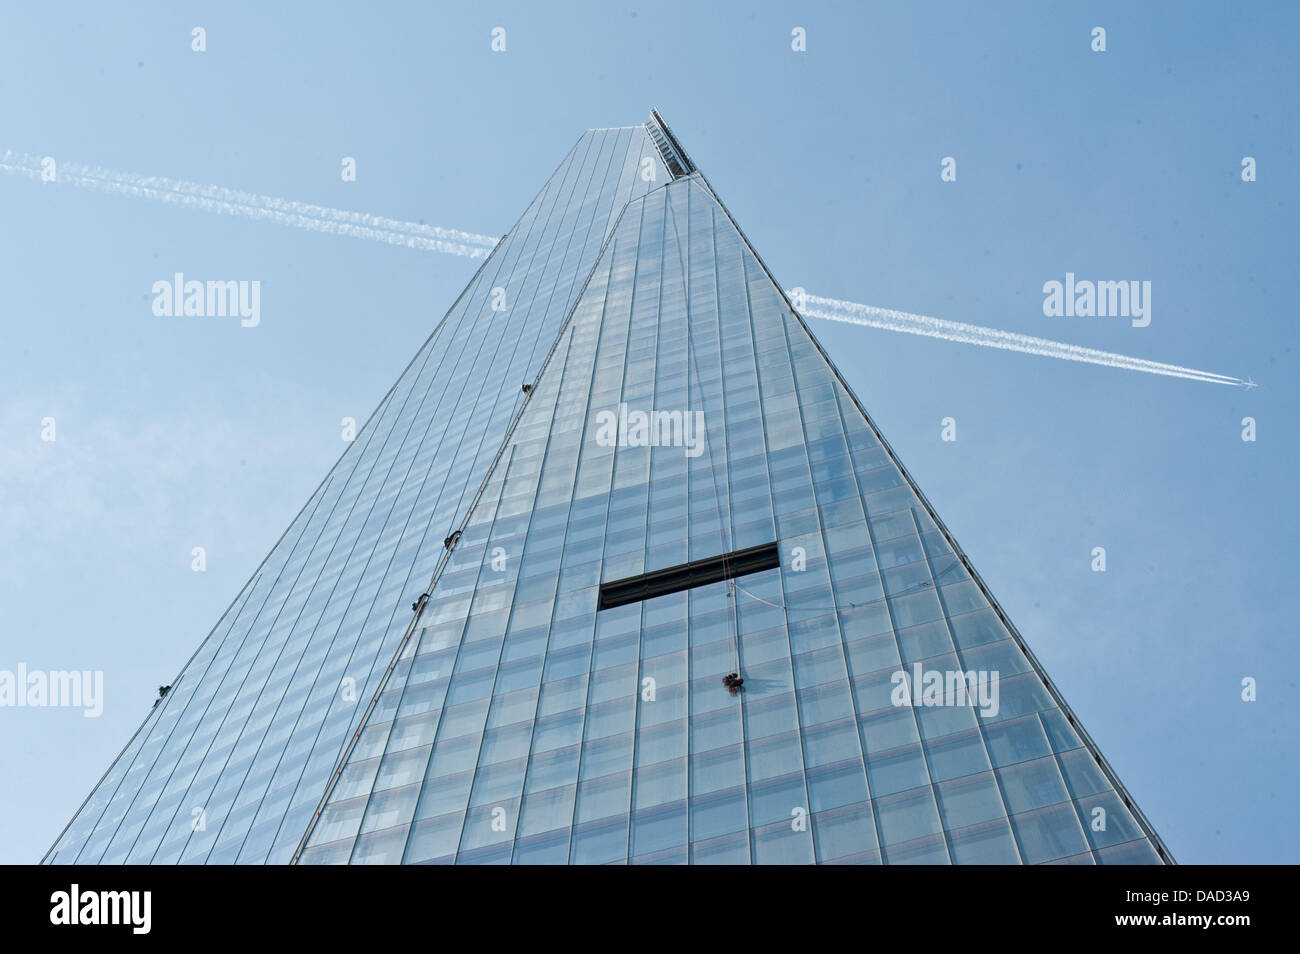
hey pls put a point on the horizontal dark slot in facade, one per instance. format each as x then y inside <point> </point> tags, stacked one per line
<point>687,576</point>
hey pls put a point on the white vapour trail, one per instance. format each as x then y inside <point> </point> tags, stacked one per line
<point>431,238</point>
<point>833,310</point>
<point>266,208</point>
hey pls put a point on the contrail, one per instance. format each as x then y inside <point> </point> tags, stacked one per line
<point>430,238</point>
<point>833,310</point>
<point>264,208</point>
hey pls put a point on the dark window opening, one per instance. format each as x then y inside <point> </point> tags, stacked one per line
<point>687,576</point>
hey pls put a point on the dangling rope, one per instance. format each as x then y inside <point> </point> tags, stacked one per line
<point>914,588</point>
<point>733,618</point>
<point>733,614</point>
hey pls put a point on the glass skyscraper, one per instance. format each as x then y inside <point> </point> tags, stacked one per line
<point>618,571</point>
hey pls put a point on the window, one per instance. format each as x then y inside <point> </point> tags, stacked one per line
<point>689,575</point>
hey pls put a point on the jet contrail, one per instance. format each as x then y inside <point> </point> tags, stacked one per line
<point>815,306</point>
<point>430,238</point>
<point>266,208</point>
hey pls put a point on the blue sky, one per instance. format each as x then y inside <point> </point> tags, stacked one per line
<point>177,433</point>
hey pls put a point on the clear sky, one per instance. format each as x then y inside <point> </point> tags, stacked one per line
<point>175,433</point>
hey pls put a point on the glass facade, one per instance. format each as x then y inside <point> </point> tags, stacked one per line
<point>680,410</point>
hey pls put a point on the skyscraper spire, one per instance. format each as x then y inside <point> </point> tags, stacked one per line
<point>512,625</point>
